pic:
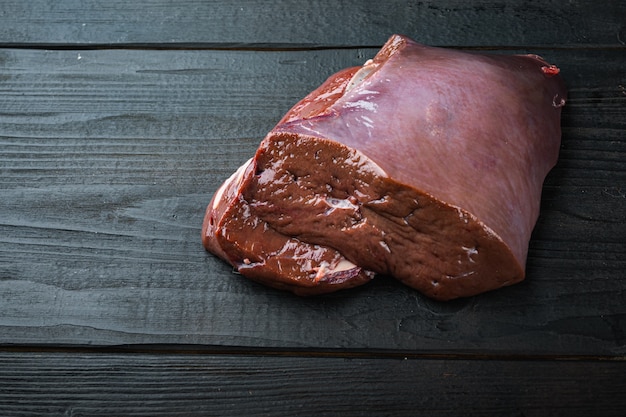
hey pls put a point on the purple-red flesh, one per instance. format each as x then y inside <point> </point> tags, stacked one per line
<point>425,164</point>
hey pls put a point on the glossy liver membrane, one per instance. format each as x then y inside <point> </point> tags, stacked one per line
<point>425,164</point>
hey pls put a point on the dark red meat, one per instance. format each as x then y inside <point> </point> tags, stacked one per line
<point>425,164</point>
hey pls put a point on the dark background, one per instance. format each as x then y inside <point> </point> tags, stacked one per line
<point>118,120</point>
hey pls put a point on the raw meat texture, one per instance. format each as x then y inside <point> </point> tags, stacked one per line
<point>425,164</point>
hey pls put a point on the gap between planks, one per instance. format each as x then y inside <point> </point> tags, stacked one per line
<point>277,47</point>
<point>204,350</point>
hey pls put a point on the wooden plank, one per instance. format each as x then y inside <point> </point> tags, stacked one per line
<point>109,157</point>
<point>47,384</point>
<point>290,23</point>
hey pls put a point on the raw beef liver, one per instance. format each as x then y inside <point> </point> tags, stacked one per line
<point>425,164</point>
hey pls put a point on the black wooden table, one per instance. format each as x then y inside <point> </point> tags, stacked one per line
<point>119,119</point>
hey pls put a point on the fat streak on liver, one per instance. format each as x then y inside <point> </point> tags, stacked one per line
<point>425,164</point>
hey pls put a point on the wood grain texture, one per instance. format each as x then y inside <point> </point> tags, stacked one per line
<point>109,157</point>
<point>484,23</point>
<point>91,384</point>
<point>119,119</point>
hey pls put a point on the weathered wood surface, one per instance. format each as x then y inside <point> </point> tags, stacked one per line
<point>104,384</point>
<point>119,119</point>
<point>223,23</point>
<point>110,157</point>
